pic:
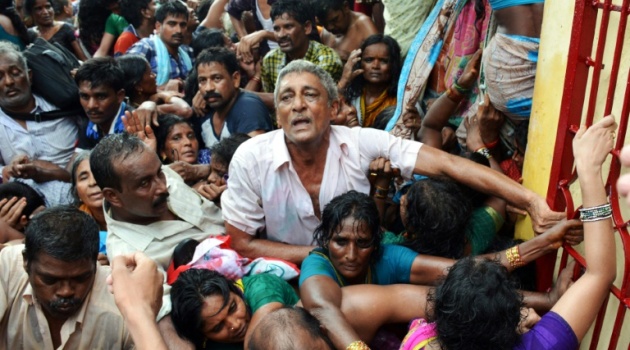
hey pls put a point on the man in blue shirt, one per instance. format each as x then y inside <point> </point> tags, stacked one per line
<point>230,110</point>
<point>170,59</point>
<point>100,81</point>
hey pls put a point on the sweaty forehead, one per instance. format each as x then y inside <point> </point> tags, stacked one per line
<point>212,310</point>
<point>300,81</point>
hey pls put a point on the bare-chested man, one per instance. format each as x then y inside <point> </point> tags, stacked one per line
<point>345,29</point>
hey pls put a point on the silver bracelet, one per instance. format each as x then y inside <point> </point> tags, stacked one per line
<point>600,212</point>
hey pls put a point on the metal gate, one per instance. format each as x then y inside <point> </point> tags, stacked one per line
<point>592,36</point>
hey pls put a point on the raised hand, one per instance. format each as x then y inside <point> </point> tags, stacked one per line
<point>134,126</point>
<point>381,172</point>
<point>349,72</point>
<point>244,48</point>
<point>136,284</point>
<point>11,210</point>
<point>471,71</point>
<point>592,145</point>
<point>187,171</point>
<point>199,104</point>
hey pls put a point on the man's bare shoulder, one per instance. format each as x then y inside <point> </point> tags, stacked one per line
<point>365,25</point>
<point>328,38</point>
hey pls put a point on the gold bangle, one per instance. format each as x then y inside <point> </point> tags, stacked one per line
<point>513,256</point>
<point>382,188</point>
<point>358,345</point>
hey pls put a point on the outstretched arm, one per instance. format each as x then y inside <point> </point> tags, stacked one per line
<point>426,269</point>
<point>253,247</point>
<point>433,162</point>
<point>368,307</point>
<point>580,304</point>
<point>322,297</point>
<point>38,170</point>
<point>213,18</point>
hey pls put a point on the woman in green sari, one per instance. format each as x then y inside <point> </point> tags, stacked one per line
<point>214,312</point>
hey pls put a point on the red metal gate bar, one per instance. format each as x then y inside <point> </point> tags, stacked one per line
<point>614,71</point>
<point>572,97</point>
<point>599,57</point>
<point>571,112</point>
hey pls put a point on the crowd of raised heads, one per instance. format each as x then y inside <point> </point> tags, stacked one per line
<point>250,174</point>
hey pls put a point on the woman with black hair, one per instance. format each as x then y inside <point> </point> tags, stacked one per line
<point>370,77</point>
<point>53,31</point>
<point>214,312</point>
<point>11,26</point>
<point>176,141</point>
<point>478,307</point>
<point>350,253</point>
<point>140,86</point>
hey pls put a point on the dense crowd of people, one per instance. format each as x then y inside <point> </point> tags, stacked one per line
<point>222,174</point>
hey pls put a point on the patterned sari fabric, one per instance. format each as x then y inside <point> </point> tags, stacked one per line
<point>510,69</point>
<point>420,335</point>
<point>552,332</point>
<point>371,111</point>
<point>420,61</point>
<point>464,37</point>
<point>448,39</point>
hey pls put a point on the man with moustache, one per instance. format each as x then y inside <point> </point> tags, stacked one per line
<point>53,293</point>
<point>292,25</point>
<point>274,200</point>
<point>148,207</point>
<point>141,17</point>
<point>32,148</point>
<point>170,59</point>
<point>230,109</point>
<point>102,94</point>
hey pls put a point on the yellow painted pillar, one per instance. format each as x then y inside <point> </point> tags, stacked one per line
<point>552,62</point>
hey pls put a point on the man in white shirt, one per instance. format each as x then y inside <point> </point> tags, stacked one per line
<point>280,181</point>
<point>32,149</point>
<point>148,207</point>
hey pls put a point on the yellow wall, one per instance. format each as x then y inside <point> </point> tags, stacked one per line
<point>556,34</point>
